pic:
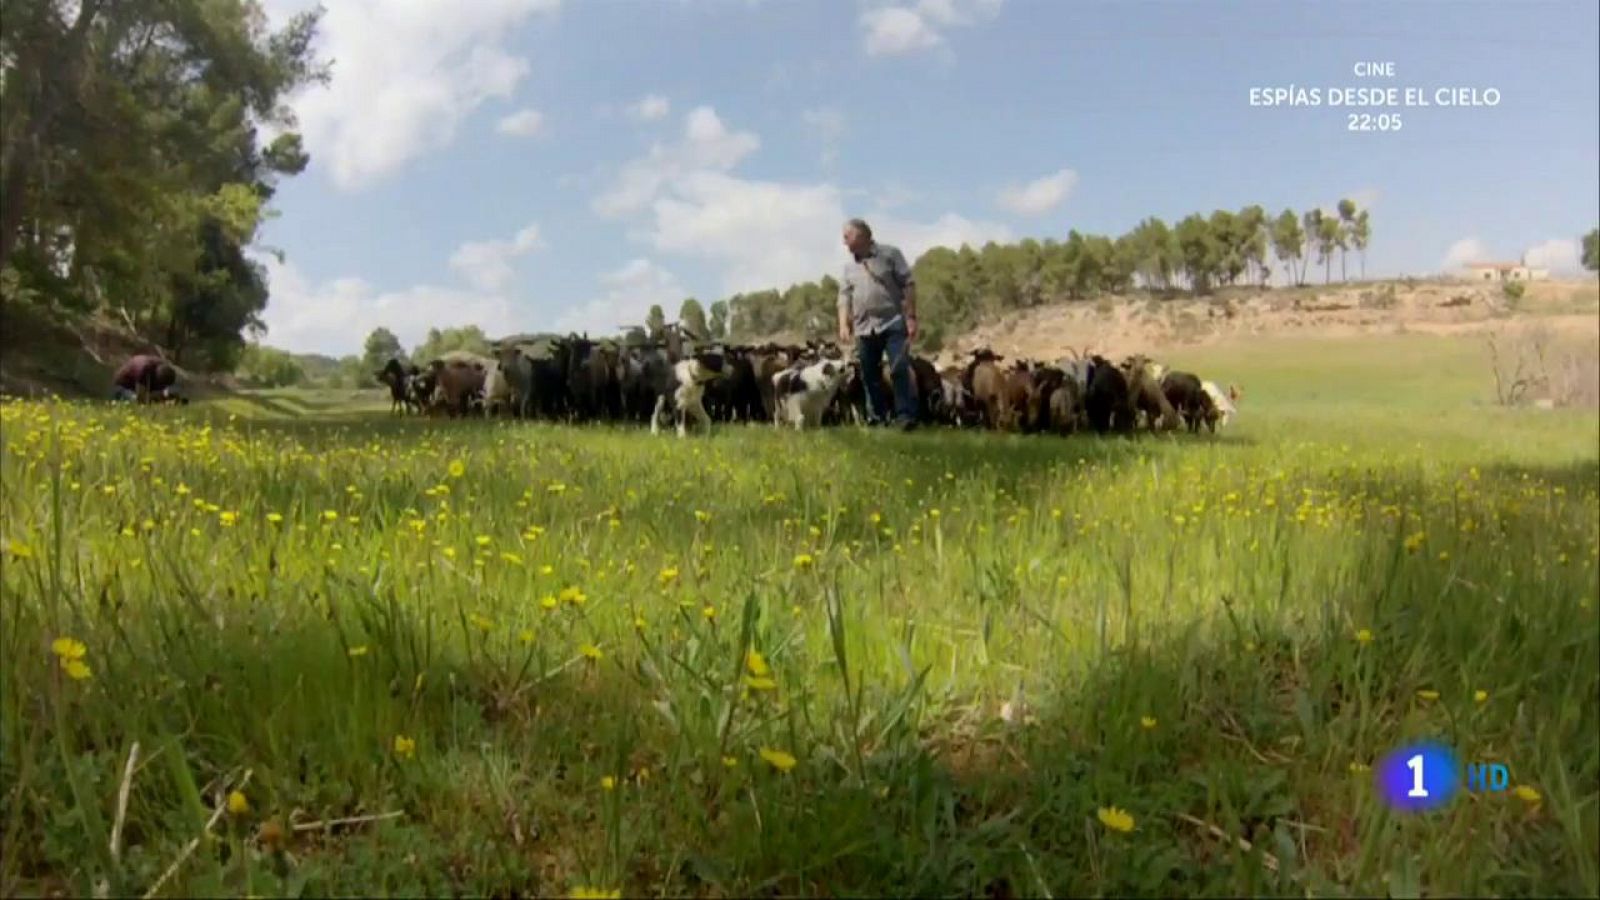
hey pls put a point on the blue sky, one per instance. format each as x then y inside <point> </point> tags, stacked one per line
<point>553,164</point>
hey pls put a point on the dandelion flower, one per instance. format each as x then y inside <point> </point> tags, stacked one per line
<point>549,601</point>
<point>76,669</point>
<point>608,783</point>
<point>756,663</point>
<point>1480,696</point>
<point>668,576</point>
<point>405,747</point>
<point>358,650</point>
<point>730,761</point>
<point>68,648</point>
<point>1428,694</point>
<point>803,561</point>
<point>701,515</point>
<point>484,540</point>
<point>778,759</point>
<point>457,468</point>
<point>1527,794</point>
<point>274,518</point>
<point>1364,636</point>
<point>590,651</point>
<point>1115,819</point>
<point>1147,722</point>
<point>238,804</point>
<point>331,515</point>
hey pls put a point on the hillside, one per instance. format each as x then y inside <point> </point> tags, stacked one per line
<point>1120,325</point>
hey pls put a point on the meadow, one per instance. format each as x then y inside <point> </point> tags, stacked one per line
<point>365,655</point>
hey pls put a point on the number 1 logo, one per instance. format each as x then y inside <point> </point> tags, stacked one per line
<point>1419,787</point>
<point>1417,777</point>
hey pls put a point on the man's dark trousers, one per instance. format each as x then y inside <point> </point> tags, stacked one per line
<point>870,350</point>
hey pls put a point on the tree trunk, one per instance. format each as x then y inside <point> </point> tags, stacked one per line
<point>57,73</point>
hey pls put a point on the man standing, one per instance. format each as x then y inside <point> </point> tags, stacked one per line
<point>878,307</point>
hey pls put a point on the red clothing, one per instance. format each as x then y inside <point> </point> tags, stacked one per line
<point>150,371</point>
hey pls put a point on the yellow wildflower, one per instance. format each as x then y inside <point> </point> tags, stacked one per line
<point>1115,819</point>
<point>778,759</point>
<point>1527,794</point>
<point>457,468</point>
<point>238,804</point>
<point>274,518</point>
<point>1428,694</point>
<point>591,651</point>
<point>1480,696</point>
<point>1147,722</point>
<point>668,575</point>
<point>756,663</point>
<point>77,669</point>
<point>68,648</point>
<point>1364,636</point>
<point>549,601</point>
<point>595,893</point>
<point>358,650</point>
<point>608,783</point>
<point>405,747</point>
<point>803,561</point>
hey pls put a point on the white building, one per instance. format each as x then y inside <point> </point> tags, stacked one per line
<point>1503,271</point>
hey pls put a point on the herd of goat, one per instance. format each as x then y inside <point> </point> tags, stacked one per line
<point>683,381</point>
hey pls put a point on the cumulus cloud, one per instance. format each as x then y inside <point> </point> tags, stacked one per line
<point>487,265</point>
<point>827,123</point>
<point>334,317</point>
<point>650,108</point>
<point>706,145</point>
<point>404,76</point>
<point>1040,195</point>
<point>626,298</point>
<point>899,30</point>
<point>1464,251</point>
<point>1560,255</point>
<point>685,200</point>
<point>522,123</point>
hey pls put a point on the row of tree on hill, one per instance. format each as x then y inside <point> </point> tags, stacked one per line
<point>958,288</point>
<point>133,169</point>
<point>955,287</point>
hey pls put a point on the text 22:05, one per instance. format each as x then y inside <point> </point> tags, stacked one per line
<point>1370,122</point>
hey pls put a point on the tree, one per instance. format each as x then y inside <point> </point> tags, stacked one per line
<point>269,367</point>
<point>1360,237</point>
<point>1199,251</point>
<point>1347,224</point>
<point>1329,238</point>
<point>380,347</point>
<point>655,323</point>
<point>469,339</point>
<point>718,326</point>
<point>1591,250</point>
<point>131,174</point>
<point>1288,243</point>
<point>693,317</point>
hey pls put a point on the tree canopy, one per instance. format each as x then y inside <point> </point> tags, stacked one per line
<point>134,172</point>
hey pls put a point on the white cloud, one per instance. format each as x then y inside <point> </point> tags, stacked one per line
<point>487,265</point>
<point>522,123</point>
<point>828,124</point>
<point>1561,256</point>
<point>1040,195</point>
<point>897,30</point>
<point>707,144</point>
<point>685,200</point>
<point>334,317</point>
<point>404,76</point>
<point>1466,250</point>
<point>629,292</point>
<point>650,108</point>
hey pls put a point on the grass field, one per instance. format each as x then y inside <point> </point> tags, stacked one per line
<point>552,661</point>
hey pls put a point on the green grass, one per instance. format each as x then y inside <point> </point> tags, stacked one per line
<point>903,590</point>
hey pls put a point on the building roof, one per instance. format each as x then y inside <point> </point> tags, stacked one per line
<point>1494,265</point>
